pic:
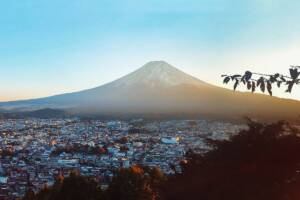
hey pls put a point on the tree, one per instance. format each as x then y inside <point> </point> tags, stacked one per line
<point>74,187</point>
<point>45,194</point>
<point>29,195</point>
<point>265,82</point>
<point>135,183</point>
<point>259,163</point>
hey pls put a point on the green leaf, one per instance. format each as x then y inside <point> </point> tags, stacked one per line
<point>226,80</point>
<point>236,84</point>
<point>253,86</point>
<point>269,87</point>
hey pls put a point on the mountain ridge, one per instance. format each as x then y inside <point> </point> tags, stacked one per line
<point>158,87</point>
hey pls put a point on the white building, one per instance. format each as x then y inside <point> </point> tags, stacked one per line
<point>170,140</point>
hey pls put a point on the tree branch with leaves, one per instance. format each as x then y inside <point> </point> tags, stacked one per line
<point>265,82</point>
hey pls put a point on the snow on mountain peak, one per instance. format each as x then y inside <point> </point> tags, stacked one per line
<point>157,74</point>
<point>157,65</point>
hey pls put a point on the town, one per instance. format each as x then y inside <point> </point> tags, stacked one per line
<point>36,151</point>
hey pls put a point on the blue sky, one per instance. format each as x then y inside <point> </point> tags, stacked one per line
<point>57,46</point>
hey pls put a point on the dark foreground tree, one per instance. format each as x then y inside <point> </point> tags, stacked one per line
<point>260,163</point>
<point>265,82</point>
<point>135,183</point>
<point>74,187</point>
<point>29,195</point>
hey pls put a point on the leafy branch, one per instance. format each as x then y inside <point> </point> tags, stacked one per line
<point>265,82</point>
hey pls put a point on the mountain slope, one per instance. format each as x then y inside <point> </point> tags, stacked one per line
<point>159,88</point>
<point>155,75</point>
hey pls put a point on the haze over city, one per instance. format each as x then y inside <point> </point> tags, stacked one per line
<point>55,47</point>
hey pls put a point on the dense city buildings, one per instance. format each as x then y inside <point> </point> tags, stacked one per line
<point>36,151</point>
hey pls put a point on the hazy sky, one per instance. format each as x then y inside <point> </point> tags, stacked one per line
<point>57,46</point>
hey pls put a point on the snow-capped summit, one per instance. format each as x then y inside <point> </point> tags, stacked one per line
<point>159,88</point>
<point>157,74</point>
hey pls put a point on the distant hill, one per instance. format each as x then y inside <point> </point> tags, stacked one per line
<point>46,113</point>
<point>158,88</point>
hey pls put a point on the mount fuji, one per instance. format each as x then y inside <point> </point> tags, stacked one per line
<point>159,88</point>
